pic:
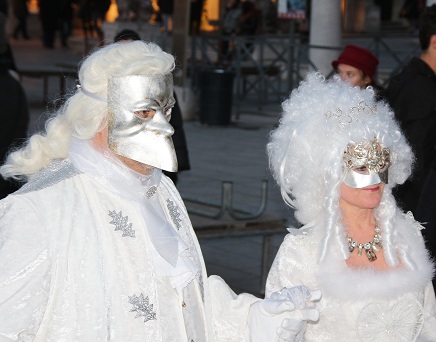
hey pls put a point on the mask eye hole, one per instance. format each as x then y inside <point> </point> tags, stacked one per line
<point>361,169</point>
<point>145,113</point>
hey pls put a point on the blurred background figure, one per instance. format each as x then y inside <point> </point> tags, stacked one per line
<point>14,112</point>
<point>229,27</point>
<point>358,66</point>
<point>128,10</point>
<point>123,10</point>
<point>6,57</point>
<point>93,13</point>
<point>49,14</point>
<point>411,11</point>
<point>179,138</point>
<point>20,11</point>
<point>249,23</point>
<point>66,20</point>
<point>196,12</point>
<point>166,8</point>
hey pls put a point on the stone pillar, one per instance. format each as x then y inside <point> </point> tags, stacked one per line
<point>325,30</point>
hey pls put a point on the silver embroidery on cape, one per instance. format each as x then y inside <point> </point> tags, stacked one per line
<point>150,192</point>
<point>174,213</point>
<point>142,307</point>
<point>57,171</point>
<point>391,322</point>
<point>185,232</point>
<point>120,223</point>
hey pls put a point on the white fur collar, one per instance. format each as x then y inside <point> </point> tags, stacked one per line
<point>338,280</point>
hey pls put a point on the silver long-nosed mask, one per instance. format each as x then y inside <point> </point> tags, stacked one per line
<point>139,112</point>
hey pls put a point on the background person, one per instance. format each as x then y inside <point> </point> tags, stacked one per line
<point>19,8</point>
<point>336,156</point>
<point>166,8</point>
<point>229,27</point>
<point>412,96</point>
<point>195,14</point>
<point>358,66</point>
<point>13,104</point>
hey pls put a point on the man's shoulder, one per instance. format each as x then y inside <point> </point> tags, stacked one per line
<point>415,71</point>
<point>414,83</point>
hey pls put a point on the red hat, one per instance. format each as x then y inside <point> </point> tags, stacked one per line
<point>360,58</point>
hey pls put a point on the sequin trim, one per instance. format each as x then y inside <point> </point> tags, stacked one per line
<point>121,223</point>
<point>142,307</point>
<point>174,213</point>
<point>150,192</point>
<point>55,172</point>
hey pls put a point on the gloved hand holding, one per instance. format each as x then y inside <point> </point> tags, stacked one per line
<point>283,316</point>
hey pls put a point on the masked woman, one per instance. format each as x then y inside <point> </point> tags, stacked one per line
<point>336,156</point>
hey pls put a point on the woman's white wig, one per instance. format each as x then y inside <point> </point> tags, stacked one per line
<point>319,119</point>
<point>84,114</point>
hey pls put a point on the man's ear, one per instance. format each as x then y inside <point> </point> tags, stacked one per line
<point>367,80</point>
<point>100,140</point>
<point>433,41</point>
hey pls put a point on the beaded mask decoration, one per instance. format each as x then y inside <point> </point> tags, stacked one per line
<point>366,163</point>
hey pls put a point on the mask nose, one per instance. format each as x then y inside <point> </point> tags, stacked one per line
<point>159,124</point>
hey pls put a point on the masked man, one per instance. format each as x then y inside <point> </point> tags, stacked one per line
<point>98,246</point>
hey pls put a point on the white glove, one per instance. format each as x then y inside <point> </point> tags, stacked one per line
<point>283,316</point>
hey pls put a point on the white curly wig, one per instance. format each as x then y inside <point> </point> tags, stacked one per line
<point>319,119</point>
<point>83,116</point>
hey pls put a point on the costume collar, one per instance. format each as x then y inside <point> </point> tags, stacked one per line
<point>107,170</point>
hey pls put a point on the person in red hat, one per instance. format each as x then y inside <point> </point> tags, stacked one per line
<point>357,66</point>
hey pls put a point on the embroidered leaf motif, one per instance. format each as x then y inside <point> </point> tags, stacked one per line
<point>174,213</point>
<point>142,307</point>
<point>151,192</point>
<point>120,223</point>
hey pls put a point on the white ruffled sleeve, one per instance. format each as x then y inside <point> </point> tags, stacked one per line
<point>24,270</point>
<point>292,264</point>
<point>230,311</point>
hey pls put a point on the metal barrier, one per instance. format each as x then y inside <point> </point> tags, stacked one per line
<point>268,67</point>
<point>226,206</point>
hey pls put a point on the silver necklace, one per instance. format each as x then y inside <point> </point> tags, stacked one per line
<point>370,248</point>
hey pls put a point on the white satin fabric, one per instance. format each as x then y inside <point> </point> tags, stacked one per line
<point>77,264</point>
<point>361,304</point>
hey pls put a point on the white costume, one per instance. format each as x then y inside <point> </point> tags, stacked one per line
<point>333,135</point>
<point>77,263</point>
<point>361,304</point>
<point>91,250</point>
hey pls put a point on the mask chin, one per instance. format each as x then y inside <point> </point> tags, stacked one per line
<point>358,180</point>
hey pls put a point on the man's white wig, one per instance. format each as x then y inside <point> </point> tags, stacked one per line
<point>84,114</point>
<point>319,119</point>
